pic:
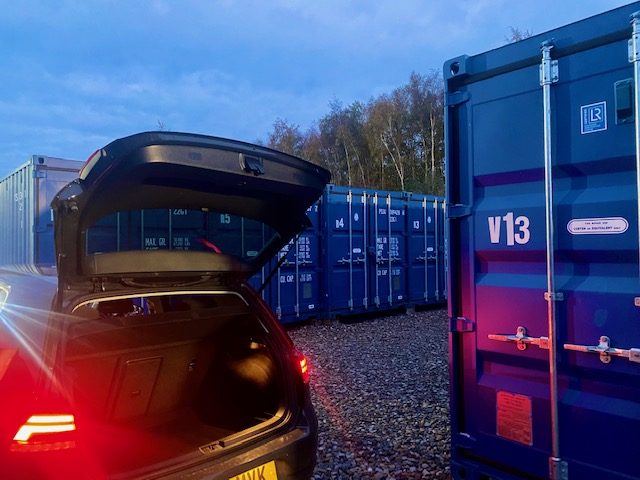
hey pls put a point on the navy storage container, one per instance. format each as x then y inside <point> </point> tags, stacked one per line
<point>26,235</point>
<point>544,297</point>
<point>425,249</point>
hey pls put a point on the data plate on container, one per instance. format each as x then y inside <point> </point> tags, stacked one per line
<point>513,417</point>
<point>263,472</point>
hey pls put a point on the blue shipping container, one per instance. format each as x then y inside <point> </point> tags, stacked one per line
<point>542,161</point>
<point>25,214</point>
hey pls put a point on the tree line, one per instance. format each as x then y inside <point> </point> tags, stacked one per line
<point>392,142</point>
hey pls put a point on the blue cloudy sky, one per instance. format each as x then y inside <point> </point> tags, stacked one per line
<point>78,74</point>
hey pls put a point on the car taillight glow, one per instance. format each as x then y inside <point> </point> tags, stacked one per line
<point>44,424</point>
<point>304,367</point>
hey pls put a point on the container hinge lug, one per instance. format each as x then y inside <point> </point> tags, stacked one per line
<point>556,296</point>
<point>463,325</point>
<point>548,68</point>
<point>636,301</point>
<point>457,98</point>
<point>279,313</point>
<point>558,469</point>
<point>634,41</point>
<point>39,173</point>
<point>458,211</point>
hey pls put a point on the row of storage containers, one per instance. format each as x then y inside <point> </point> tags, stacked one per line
<point>366,250</point>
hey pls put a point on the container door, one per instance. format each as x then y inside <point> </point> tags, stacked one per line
<point>596,264</point>
<point>543,235</point>
<point>346,242</point>
<point>422,249</point>
<point>388,282</point>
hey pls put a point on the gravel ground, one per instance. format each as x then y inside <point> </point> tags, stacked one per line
<point>380,388</point>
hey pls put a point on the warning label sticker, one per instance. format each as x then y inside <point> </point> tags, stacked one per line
<point>597,226</point>
<point>513,417</point>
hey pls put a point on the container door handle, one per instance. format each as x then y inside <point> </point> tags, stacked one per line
<point>606,351</point>
<point>521,339</point>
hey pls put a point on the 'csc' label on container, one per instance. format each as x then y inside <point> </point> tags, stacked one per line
<point>597,226</point>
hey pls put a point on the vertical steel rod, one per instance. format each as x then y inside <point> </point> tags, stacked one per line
<point>547,78</point>
<point>365,301</point>
<point>389,247</point>
<point>349,200</point>
<point>634,58</point>
<point>426,254</point>
<point>436,245</point>
<point>297,247</point>
<point>375,228</point>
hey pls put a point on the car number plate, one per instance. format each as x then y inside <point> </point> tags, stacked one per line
<point>263,472</point>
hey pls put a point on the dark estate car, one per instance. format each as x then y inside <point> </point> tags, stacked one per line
<point>130,362</point>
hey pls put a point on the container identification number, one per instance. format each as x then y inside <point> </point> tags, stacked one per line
<point>517,230</point>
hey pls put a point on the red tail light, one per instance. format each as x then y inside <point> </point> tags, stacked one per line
<point>46,432</point>
<point>303,365</point>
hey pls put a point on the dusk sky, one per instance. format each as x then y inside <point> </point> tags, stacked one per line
<point>77,74</point>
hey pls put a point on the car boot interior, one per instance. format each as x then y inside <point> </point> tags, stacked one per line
<point>155,379</point>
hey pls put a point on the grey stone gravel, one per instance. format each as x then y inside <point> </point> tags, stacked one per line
<point>380,388</point>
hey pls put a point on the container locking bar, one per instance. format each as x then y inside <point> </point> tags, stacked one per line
<point>634,58</point>
<point>606,351</point>
<point>521,339</point>
<point>549,75</point>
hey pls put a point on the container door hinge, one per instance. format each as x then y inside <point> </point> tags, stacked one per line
<point>558,469</point>
<point>463,325</point>
<point>39,173</point>
<point>634,41</point>
<point>555,297</point>
<point>457,98</point>
<point>548,68</point>
<point>458,211</point>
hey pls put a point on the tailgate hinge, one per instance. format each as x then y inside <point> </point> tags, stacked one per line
<point>457,98</point>
<point>458,211</point>
<point>462,325</point>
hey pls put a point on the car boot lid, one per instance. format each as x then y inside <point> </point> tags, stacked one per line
<point>167,170</point>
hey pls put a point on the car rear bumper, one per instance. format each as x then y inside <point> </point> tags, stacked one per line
<point>294,453</point>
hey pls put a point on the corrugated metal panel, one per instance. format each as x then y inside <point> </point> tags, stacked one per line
<point>543,238</point>
<point>25,195</point>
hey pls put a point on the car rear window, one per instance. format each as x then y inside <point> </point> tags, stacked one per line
<point>178,229</point>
